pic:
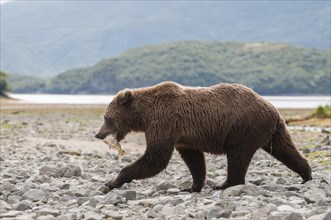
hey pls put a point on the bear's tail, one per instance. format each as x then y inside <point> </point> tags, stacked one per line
<point>283,149</point>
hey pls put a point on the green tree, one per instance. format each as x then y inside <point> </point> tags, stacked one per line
<point>3,83</point>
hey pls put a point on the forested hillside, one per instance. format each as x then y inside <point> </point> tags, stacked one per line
<point>44,38</point>
<point>269,68</point>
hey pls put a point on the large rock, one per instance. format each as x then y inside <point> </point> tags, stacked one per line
<point>251,190</point>
<point>35,195</point>
<point>7,186</point>
<point>45,217</point>
<point>67,216</point>
<point>113,215</point>
<point>293,216</point>
<point>4,205</point>
<point>13,199</point>
<point>324,216</point>
<point>69,171</point>
<point>10,214</point>
<point>128,194</point>
<point>226,205</point>
<point>285,208</point>
<point>48,170</point>
<point>112,198</point>
<point>23,205</point>
<point>270,208</point>
<point>92,216</point>
<point>314,195</point>
<point>164,185</point>
<point>150,202</point>
<point>168,210</point>
<point>81,200</point>
<point>47,212</point>
<point>259,214</point>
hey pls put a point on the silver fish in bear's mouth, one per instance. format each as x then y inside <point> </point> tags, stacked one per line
<point>113,143</point>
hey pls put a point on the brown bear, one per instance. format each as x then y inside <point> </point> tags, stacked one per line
<point>226,119</point>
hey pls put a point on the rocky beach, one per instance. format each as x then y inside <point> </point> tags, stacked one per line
<point>52,167</point>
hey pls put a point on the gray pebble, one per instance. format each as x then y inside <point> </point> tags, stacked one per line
<point>324,216</point>
<point>23,205</point>
<point>112,198</point>
<point>93,202</point>
<point>214,212</point>
<point>285,208</point>
<point>259,214</point>
<point>256,181</point>
<point>113,215</point>
<point>173,190</point>
<point>175,201</point>
<point>45,217</point>
<point>291,193</point>
<point>164,186</point>
<point>67,216</point>
<point>293,188</point>
<point>81,192</point>
<point>9,214</point>
<point>280,181</point>
<point>48,212</point>
<point>104,189</point>
<point>224,214</point>
<point>4,205</point>
<point>7,186</point>
<point>157,208</point>
<point>168,210</point>
<point>151,202</point>
<point>92,216</point>
<point>81,200</point>
<point>226,205</point>
<point>13,199</point>
<point>251,190</point>
<point>34,195</point>
<point>64,186</point>
<point>270,208</point>
<point>152,214</point>
<point>48,170</point>
<point>293,216</point>
<point>69,171</point>
<point>306,150</point>
<point>128,194</point>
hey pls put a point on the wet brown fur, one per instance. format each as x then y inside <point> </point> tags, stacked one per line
<point>226,119</point>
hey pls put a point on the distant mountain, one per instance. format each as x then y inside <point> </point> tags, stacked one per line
<point>42,38</point>
<point>268,68</point>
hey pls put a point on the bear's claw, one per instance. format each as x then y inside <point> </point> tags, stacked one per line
<point>110,185</point>
<point>192,189</point>
<point>225,185</point>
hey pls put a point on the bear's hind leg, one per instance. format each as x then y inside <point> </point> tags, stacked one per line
<point>284,150</point>
<point>195,160</point>
<point>238,162</point>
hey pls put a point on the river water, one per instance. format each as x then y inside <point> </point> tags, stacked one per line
<point>300,102</point>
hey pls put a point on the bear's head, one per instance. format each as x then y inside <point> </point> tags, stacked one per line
<point>118,116</point>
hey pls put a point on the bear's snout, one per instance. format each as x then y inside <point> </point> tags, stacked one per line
<point>98,136</point>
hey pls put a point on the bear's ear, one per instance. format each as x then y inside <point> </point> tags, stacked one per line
<point>125,97</point>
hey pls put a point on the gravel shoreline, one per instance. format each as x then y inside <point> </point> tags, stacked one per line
<point>53,168</point>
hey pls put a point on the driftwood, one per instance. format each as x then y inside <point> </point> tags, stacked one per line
<point>290,120</point>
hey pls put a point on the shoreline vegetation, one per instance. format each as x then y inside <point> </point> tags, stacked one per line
<point>320,116</point>
<point>267,68</point>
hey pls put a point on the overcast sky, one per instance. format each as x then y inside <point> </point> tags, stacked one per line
<point>3,1</point>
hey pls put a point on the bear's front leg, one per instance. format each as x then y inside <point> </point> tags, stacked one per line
<point>125,176</point>
<point>195,161</point>
<point>154,160</point>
